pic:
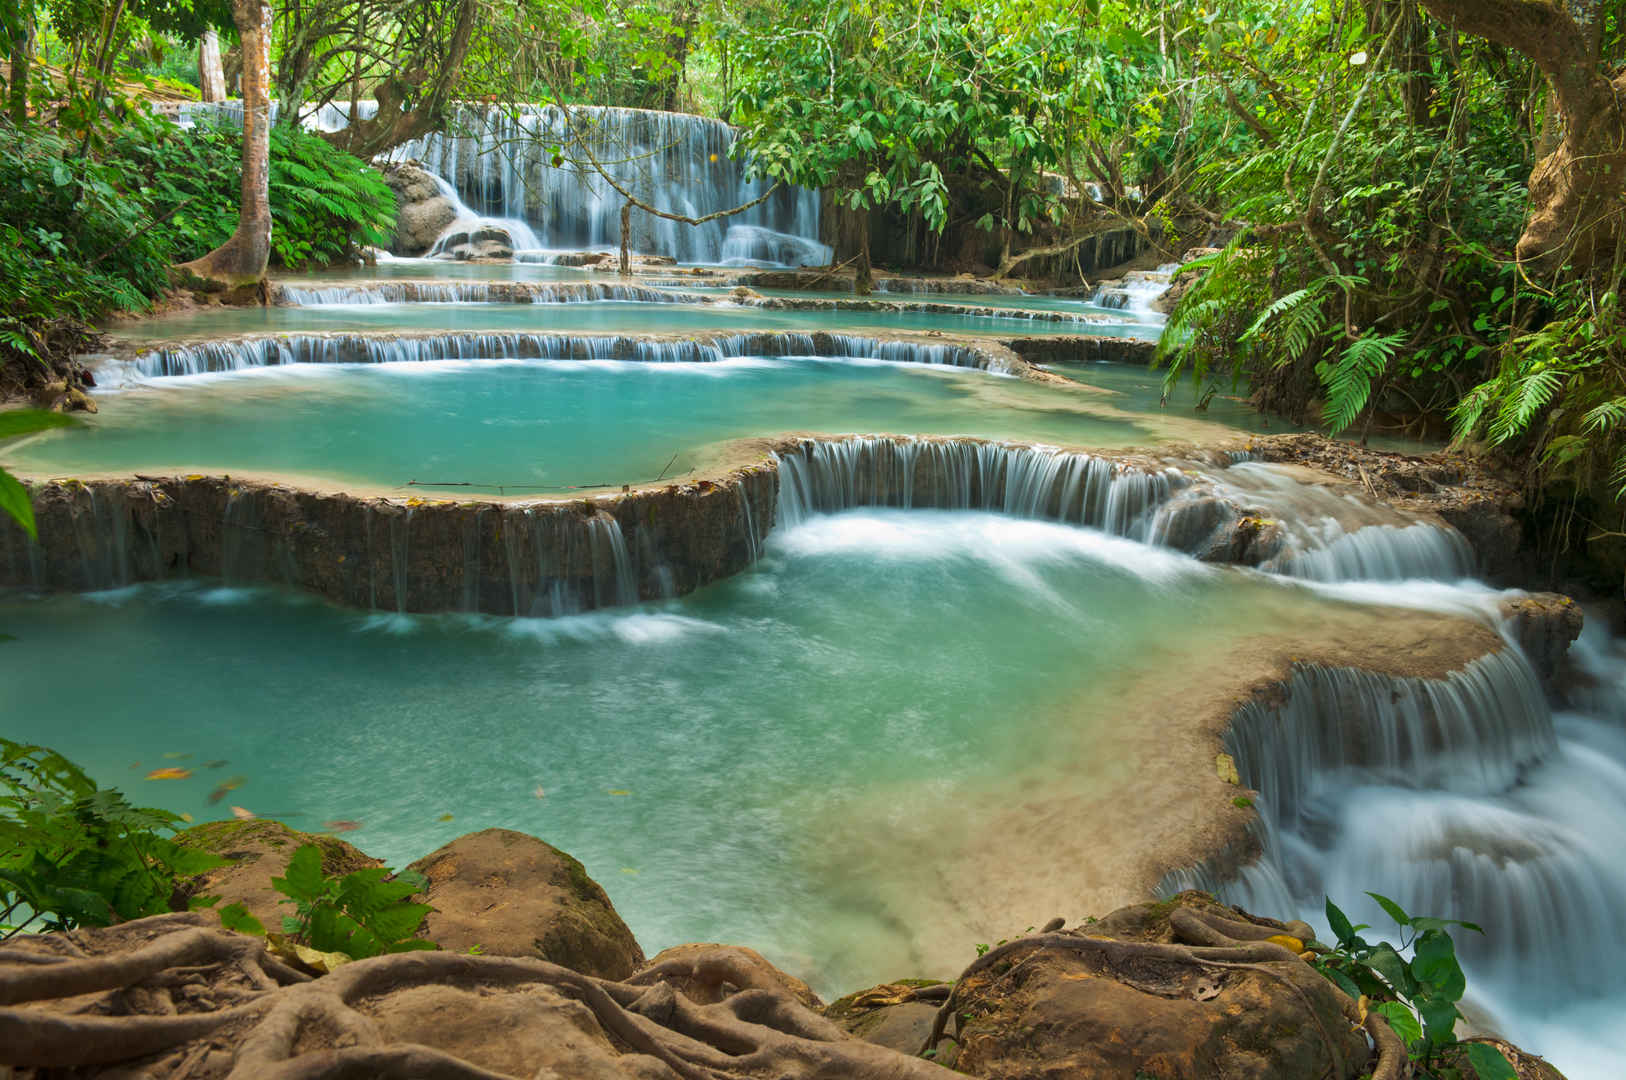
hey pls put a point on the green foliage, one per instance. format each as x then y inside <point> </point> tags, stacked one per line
<point>1418,996</point>
<point>364,913</point>
<point>75,854</point>
<point>14,500</point>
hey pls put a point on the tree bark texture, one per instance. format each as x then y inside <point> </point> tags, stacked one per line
<point>241,261</point>
<point>211,72</point>
<point>1577,192</point>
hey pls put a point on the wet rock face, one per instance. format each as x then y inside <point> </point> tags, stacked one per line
<point>542,559</point>
<point>513,895</point>
<point>1478,501</point>
<point>422,212</point>
<point>1544,625</point>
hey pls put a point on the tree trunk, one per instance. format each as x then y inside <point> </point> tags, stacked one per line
<point>238,265</point>
<point>20,30</point>
<point>1577,192</point>
<point>863,278</point>
<point>211,73</point>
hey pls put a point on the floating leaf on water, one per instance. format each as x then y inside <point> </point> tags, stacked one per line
<point>185,817</point>
<point>243,815</point>
<point>539,793</point>
<point>1225,765</point>
<point>444,817</point>
<point>341,826</point>
<point>226,788</point>
<point>629,870</point>
<point>177,756</point>
<point>219,763</point>
<point>169,773</point>
<point>135,764</point>
<point>619,791</point>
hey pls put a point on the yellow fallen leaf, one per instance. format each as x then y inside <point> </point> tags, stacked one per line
<point>303,955</point>
<point>444,817</point>
<point>1288,942</point>
<point>539,793</point>
<point>243,815</point>
<point>170,773</point>
<point>1225,765</point>
<point>619,791</point>
<point>185,817</point>
<point>629,870</point>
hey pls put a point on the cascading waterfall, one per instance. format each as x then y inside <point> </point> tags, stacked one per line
<point>1136,292</point>
<point>501,163</point>
<point>821,477</point>
<point>476,292</point>
<point>244,353</point>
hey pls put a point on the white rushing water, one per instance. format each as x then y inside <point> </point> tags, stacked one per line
<point>564,172</point>
<point>552,180</point>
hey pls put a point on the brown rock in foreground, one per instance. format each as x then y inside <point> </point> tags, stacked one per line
<point>513,895</point>
<point>260,851</point>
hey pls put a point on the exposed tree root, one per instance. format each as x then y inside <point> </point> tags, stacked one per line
<point>287,1026</point>
<point>1392,1057</point>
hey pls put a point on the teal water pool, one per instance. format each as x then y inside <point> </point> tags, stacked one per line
<point>536,426</point>
<point>812,758</point>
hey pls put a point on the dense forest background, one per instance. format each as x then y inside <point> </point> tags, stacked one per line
<point>1404,215</point>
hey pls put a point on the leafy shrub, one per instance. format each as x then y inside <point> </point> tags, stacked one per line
<point>1418,996</point>
<point>364,913</point>
<point>74,854</point>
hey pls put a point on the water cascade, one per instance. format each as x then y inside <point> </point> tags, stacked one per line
<point>822,476</point>
<point>501,163</point>
<point>243,353</point>
<point>475,292</point>
<point>1136,292</point>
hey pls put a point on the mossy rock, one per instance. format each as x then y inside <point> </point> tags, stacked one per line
<point>510,894</point>
<point>259,850</point>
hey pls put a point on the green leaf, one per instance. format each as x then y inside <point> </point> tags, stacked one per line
<point>1488,1062</point>
<point>15,422</point>
<point>1339,922</point>
<point>237,917</point>
<point>1402,1019</point>
<point>1434,963</point>
<point>304,880</point>
<point>1392,966</point>
<point>1439,1019</point>
<point>1392,909</point>
<point>14,501</point>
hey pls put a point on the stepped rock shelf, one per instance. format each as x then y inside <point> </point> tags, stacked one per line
<point>1429,679</point>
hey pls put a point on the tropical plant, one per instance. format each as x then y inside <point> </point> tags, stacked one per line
<point>14,500</point>
<point>75,854</point>
<point>360,914</point>
<point>1419,996</point>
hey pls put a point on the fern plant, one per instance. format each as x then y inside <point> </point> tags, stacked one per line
<point>75,854</point>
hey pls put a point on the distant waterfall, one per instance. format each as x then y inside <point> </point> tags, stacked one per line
<point>532,163</point>
<point>245,353</point>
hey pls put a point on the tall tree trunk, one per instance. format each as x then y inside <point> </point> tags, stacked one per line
<point>239,264</point>
<point>19,26</point>
<point>1577,192</point>
<point>211,73</point>
<point>863,277</point>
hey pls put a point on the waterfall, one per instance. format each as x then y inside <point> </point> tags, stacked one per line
<point>478,292</point>
<point>1464,797</point>
<point>1135,293</point>
<point>821,477</point>
<point>244,353</point>
<point>501,162</point>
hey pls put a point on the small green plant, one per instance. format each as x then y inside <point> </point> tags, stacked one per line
<point>363,913</point>
<point>1418,996</point>
<point>75,854</point>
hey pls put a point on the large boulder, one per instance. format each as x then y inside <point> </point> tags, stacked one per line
<point>422,210</point>
<point>259,851</point>
<point>1085,1013</point>
<point>513,895</point>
